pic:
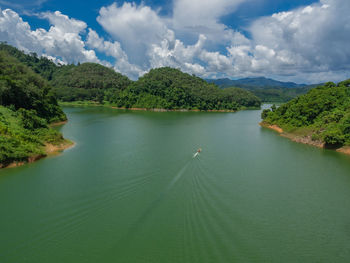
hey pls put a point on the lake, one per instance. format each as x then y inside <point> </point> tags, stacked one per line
<point>131,191</point>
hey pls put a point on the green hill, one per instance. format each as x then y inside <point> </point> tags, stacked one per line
<point>170,88</point>
<point>87,81</point>
<point>323,113</point>
<point>27,106</point>
<point>42,66</point>
<point>20,87</point>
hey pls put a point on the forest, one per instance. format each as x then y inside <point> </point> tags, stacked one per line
<point>324,112</point>
<point>170,88</point>
<point>27,107</point>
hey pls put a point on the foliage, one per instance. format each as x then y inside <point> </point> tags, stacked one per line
<point>27,105</point>
<point>87,81</point>
<point>325,109</point>
<point>22,88</point>
<point>18,137</point>
<point>170,88</point>
<point>42,66</point>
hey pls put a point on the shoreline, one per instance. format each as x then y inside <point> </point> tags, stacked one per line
<point>59,123</point>
<point>166,110</point>
<point>50,150</point>
<point>303,139</point>
<point>87,104</point>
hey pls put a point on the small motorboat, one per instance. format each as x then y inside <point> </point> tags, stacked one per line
<point>197,152</point>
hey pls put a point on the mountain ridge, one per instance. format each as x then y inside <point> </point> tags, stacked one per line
<point>256,82</point>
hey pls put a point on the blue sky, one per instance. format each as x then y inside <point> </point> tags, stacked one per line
<point>301,40</point>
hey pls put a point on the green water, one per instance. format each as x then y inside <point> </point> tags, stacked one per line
<point>130,191</point>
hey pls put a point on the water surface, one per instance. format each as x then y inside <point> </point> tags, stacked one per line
<point>130,191</point>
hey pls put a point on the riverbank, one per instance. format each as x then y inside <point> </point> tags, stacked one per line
<point>59,123</point>
<point>96,104</point>
<point>169,110</point>
<point>305,139</point>
<point>49,150</point>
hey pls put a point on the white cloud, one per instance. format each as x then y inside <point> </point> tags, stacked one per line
<point>316,36</point>
<point>16,32</point>
<point>174,53</point>
<point>202,17</point>
<point>307,43</point>
<point>63,38</point>
<point>63,23</point>
<point>114,50</point>
<point>62,41</point>
<point>136,27</point>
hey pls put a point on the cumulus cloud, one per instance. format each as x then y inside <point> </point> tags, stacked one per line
<point>310,39</point>
<point>62,40</point>
<point>318,35</point>
<point>114,50</point>
<point>174,53</point>
<point>305,44</point>
<point>136,26</point>
<point>202,17</point>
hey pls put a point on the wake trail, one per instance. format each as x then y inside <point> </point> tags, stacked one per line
<point>148,211</point>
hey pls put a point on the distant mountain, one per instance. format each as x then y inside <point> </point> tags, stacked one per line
<point>268,90</point>
<point>260,82</point>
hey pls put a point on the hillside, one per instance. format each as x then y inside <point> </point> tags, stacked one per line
<point>42,66</point>
<point>27,106</point>
<point>268,90</point>
<point>170,88</point>
<point>323,115</point>
<point>87,81</point>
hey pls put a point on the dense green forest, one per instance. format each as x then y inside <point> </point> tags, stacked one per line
<point>268,90</point>
<point>87,81</point>
<point>42,66</point>
<point>166,88</point>
<point>27,106</point>
<point>170,88</point>
<point>324,112</point>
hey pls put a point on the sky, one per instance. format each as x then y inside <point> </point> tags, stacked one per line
<point>305,41</point>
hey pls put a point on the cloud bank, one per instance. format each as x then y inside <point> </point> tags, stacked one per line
<point>308,44</point>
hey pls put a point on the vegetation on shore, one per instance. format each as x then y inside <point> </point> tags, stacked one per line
<point>162,88</point>
<point>323,114</point>
<point>27,107</point>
